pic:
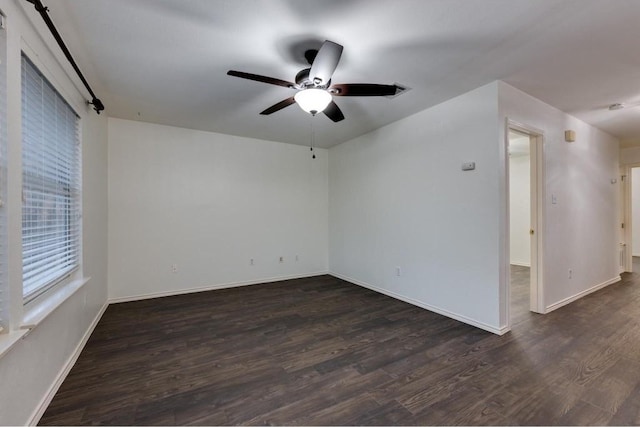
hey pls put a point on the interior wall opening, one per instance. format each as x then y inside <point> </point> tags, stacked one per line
<point>519,224</point>
<point>630,218</point>
<point>634,221</point>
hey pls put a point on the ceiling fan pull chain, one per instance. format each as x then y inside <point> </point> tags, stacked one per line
<point>313,155</point>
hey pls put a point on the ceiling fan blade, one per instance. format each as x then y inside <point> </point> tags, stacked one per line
<point>333,112</point>
<point>279,106</point>
<point>362,89</point>
<point>325,63</point>
<point>259,78</point>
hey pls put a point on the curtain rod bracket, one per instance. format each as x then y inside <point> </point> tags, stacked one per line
<point>97,105</point>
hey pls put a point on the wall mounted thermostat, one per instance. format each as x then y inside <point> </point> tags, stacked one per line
<point>468,166</point>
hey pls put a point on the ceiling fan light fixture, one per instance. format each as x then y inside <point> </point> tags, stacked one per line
<point>312,100</point>
<point>616,106</point>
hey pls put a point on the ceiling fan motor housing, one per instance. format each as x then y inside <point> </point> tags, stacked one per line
<point>302,78</point>
<point>304,82</point>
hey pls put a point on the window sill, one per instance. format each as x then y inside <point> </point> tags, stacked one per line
<point>36,312</point>
<point>8,340</point>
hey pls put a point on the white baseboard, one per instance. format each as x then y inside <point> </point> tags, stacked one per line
<point>53,389</point>
<point>521,264</point>
<point>499,331</point>
<point>212,287</point>
<point>579,295</point>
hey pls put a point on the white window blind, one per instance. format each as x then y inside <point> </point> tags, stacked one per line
<point>50,184</point>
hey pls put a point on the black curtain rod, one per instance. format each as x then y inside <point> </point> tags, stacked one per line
<point>43,10</point>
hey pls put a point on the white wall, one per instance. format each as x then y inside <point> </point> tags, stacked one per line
<point>629,156</point>
<point>398,198</point>
<point>581,229</point>
<point>635,210</point>
<point>31,367</point>
<point>520,209</point>
<point>209,203</point>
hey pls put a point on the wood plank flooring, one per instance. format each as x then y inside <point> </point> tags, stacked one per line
<point>321,351</point>
<point>520,294</point>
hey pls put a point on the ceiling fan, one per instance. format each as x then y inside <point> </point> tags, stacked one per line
<point>622,105</point>
<point>314,88</point>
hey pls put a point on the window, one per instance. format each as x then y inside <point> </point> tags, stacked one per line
<point>50,185</point>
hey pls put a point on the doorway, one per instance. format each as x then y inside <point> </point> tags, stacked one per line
<point>633,217</point>
<point>630,213</point>
<point>524,147</point>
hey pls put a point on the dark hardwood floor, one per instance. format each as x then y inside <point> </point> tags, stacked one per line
<point>323,351</point>
<point>520,300</point>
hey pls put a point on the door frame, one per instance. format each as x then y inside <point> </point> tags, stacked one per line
<point>537,194</point>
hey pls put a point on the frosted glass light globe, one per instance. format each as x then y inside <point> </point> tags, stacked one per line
<point>313,100</point>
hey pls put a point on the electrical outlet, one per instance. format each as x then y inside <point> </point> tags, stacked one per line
<point>297,259</point>
<point>281,259</point>
<point>251,262</point>
<point>398,271</point>
<point>174,268</point>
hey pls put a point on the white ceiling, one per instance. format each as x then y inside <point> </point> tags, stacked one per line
<point>165,61</point>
